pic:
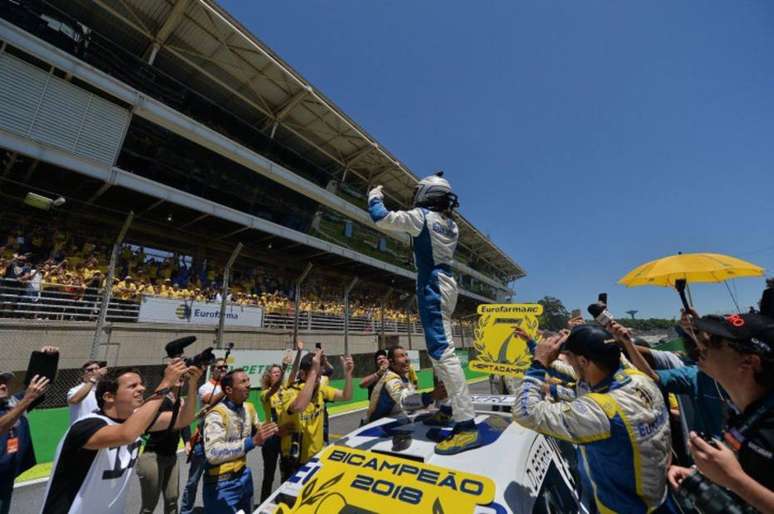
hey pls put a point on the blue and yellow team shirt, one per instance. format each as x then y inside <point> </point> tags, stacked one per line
<point>309,423</point>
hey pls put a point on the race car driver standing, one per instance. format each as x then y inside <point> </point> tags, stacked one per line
<point>435,236</point>
<point>618,419</point>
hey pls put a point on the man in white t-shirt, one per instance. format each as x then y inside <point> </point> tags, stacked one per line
<point>81,398</point>
<point>95,458</point>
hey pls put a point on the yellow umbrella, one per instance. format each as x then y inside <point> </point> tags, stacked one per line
<point>691,267</point>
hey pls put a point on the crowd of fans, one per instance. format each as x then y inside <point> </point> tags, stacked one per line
<point>43,262</point>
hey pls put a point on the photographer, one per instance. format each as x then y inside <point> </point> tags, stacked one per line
<point>618,416</point>
<point>157,466</point>
<point>16,452</point>
<point>81,398</point>
<point>737,351</point>
<point>304,411</point>
<point>94,459</point>
<point>231,429</point>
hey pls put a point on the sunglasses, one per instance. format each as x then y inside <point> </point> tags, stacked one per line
<point>221,367</point>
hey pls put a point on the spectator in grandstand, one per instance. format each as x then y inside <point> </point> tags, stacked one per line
<point>272,399</point>
<point>395,394</point>
<point>303,411</point>
<point>435,236</point>
<point>738,351</point>
<point>93,464</point>
<point>231,430</point>
<point>601,418</point>
<point>157,466</point>
<point>381,363</point>
<point>16,452</point>
<point>82,398</point>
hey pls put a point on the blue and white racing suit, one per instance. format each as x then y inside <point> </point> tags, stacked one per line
<point>435,239</point>
<point>622,428</point>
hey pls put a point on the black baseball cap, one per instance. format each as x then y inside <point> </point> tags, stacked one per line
<point>756,330</point>
<point>592,342</point>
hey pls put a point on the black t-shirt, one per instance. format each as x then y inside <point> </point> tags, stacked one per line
<point>163,442</point>
<point>756,454</point>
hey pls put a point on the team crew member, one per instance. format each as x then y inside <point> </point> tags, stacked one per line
<point>272,400</point>
<point>382,364</point>
<point>81,398</point>
<point>435,236</point>
<point>396,394</point>
<point>16,452</point>
<point>302,414</point>
<point>209,393</point>
<point>620,422</point>
<point>96,455</point>
<point>231,429</point>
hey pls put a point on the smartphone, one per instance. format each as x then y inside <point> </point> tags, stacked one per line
<point>318,346</point>
<point>602,298</point>
<point>576,313</point>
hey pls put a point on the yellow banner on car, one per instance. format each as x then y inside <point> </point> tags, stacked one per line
<point>352,480</point>
<point>499,351</point>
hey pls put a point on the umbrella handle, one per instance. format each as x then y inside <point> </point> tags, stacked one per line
<point>680,285</point>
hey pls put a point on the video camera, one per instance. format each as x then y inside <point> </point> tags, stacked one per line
<point>709,498</point>
<point>202,359</point>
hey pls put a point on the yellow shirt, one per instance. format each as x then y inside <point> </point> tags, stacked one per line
<point>272,405</point>
<point>309,423</point>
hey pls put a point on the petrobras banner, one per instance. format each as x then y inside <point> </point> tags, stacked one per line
<point>254,362</point>
<point>168,310</point>
<point>413,356</point>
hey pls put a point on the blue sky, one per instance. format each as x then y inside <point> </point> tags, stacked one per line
<point>584,137</point>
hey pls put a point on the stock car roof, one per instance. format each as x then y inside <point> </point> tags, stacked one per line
<point>513,462</point>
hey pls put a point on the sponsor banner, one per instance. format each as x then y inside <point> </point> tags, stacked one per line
<point>499,350</point>
<point>254,362</point>
<point>169,310</point>
<point>413,356</point>
<point>352,480</point>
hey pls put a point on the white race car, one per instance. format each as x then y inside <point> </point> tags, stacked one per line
<point>389,466</point>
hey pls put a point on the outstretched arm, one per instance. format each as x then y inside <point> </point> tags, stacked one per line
<point>400,221</point>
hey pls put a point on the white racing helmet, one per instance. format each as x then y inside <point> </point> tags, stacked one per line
<point>435,193</point>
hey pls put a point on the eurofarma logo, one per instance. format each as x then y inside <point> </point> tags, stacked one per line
<point>498,350</point>
<point>183,311</point>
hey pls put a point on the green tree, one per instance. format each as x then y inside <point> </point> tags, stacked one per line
<point>555,316</point>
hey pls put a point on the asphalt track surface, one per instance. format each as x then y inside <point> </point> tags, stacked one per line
<point>29,498</point>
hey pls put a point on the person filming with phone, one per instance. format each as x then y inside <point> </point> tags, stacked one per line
<point>17,454</point>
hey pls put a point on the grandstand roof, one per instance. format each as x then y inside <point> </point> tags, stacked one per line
<point>236,69</point>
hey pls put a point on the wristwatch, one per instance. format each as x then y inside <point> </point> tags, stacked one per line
<point>161,392</point>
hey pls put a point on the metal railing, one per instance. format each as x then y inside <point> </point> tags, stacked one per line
<point>61,302</point>
<point>72,303</point>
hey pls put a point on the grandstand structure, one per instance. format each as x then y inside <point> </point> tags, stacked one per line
<point>173,110</point>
